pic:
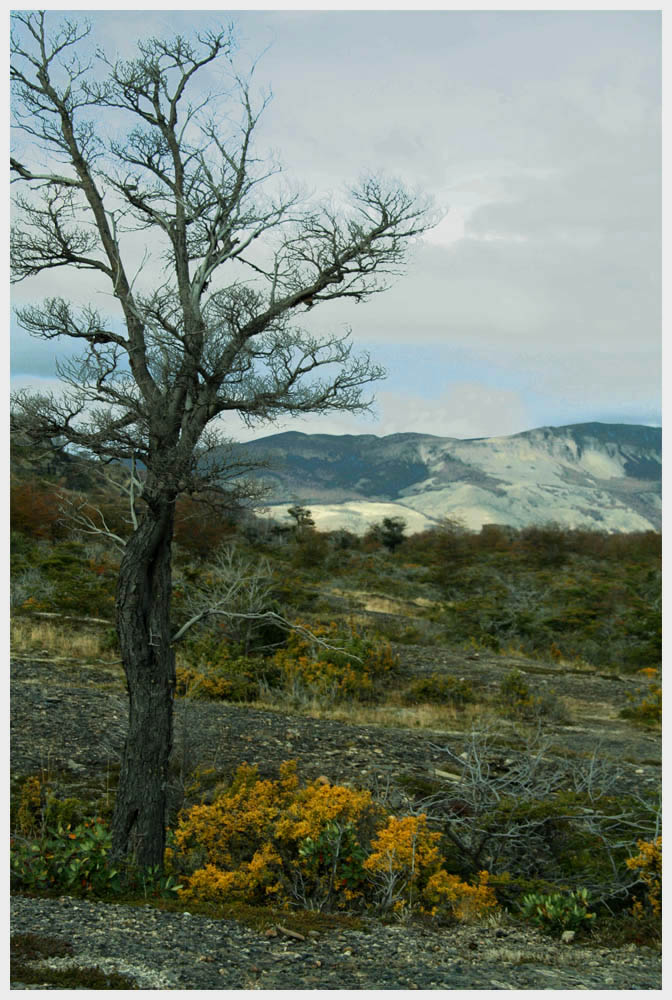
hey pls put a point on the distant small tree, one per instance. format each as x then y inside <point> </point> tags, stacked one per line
<point>390,532</point>
<point>302,516</point>
<point>205,322</point>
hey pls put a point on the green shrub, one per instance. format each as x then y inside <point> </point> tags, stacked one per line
<point>440,689</point>
<point>29,818</point>
<point>235,680</point>
<point>67,860</point>
<point>334,859</point>
<point>558,911</point>
<point>647,705</point>
<point>520,702</point>
<point>71,581</point>
<point>339,663</point>
<point>213,669</point>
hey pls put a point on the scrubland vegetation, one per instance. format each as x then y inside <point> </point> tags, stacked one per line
<point>278,621</point>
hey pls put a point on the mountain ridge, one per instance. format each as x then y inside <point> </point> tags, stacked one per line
<point>589,474</point>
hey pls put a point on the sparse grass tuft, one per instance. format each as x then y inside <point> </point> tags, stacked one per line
<point>34,635</point>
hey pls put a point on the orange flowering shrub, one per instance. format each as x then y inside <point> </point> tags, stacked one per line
<point>404,844</point>
<point>318,804</point>
<point>323,846</point>
<point>349,671</point>
<point>402,855</point>
<point>194,683</point>
<point>447,895</point>
<point>262,837</point>
<point>649,672</point>
<point>248,881</point>
<point>649,864</point>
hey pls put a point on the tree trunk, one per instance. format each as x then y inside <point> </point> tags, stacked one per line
<point>143,626</point>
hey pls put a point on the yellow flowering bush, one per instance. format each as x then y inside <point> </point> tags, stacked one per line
<point>260,874</point>
<point>348,671</point>
<point>318,804</point>
<point>194,683</point>
<point>649,865</point>
<point>404,844</point>
<point>447,895</point>
<point>402,855</point>
<point>322,846</point>
<point>263,836</point>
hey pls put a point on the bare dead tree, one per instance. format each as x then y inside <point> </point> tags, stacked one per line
<point>203,328</point>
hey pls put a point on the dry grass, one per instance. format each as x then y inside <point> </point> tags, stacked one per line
<point>441,718</point>
<point>78,653</point>
<point>37,636</point>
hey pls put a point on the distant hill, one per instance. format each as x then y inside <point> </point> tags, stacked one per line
<point>605,476</point>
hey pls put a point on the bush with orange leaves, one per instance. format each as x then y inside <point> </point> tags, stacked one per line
<point>347,666</point>
<point>447,895</point>
<point>402,855</point>
<point>649,865</point>
<point>320,846</point>
<point>265,838</point>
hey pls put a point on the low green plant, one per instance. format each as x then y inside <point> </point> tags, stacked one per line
<point>334,860</point>
<point>151,882</point>
<point>75,860</point>
<point>66,859</point>
<point>557,912</point>
<point>439,689</point>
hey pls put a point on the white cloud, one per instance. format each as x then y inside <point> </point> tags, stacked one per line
<point>540,133</point>
<point>464,410</point>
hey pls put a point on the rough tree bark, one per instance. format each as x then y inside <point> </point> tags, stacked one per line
<point>144,630</point>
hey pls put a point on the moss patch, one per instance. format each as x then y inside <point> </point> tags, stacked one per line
<point>259,918</point>
<point>27,952</point>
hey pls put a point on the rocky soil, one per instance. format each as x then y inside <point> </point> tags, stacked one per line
<point>62,721</point>
<point>167,951</point>
<point>74,729</point>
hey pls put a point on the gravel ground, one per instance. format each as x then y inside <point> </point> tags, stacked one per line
<point>165,951</point>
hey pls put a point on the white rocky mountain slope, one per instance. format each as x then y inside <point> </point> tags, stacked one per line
<point>600,476</point>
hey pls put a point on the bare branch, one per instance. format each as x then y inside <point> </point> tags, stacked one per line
<point>87,519</point>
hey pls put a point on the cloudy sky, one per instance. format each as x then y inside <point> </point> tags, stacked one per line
<point>536,299</point>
